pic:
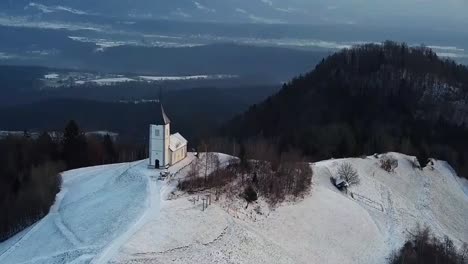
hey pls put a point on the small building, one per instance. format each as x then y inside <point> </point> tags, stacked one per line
<point>165,149</point>
<point>341,184</point>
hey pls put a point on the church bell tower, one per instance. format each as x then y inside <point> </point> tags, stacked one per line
<point>160,132</point>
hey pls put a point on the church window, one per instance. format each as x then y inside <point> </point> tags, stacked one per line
<point>156,133</point>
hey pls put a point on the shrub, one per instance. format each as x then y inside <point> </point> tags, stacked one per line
<point>250,195</point>
<point>260,167</point>
<point>347,172</point>
<point>217,179</point>
<point>424,247</point>
<point>388,163</point>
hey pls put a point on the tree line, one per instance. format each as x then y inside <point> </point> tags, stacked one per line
<point>30,170</point>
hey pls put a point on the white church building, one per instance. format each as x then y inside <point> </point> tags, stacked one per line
<point>165,149</point>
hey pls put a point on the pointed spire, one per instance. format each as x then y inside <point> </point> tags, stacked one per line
<point>161,117</point>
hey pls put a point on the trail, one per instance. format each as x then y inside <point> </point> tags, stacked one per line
<point>392,218</point>
<point>152,204</point>
<point>424,204</point>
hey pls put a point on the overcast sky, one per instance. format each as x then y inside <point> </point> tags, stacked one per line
<point>358,10</point>
<point>445,13</point>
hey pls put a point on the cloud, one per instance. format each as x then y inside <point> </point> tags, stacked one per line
<point>51,9</point>
<point>204,8</point>
<point>267,2</point>
<point>240,10</point>
<point>181,13</point>
<point>264,20</point>
<point>287,10</point>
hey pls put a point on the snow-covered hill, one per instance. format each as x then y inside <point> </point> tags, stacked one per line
<point>122,214</point>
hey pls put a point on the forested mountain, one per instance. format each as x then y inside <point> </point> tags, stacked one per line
<point>371,98</point>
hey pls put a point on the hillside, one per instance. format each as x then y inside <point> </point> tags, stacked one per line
<point>122,214</point>
<point>371,98</point>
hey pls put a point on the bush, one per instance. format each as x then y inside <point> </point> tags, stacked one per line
<point>388,163</point>
<point>196,182</point>
<point>424,247</point>
<point>347,172</point>
<point>250,195</point>
<point>273,176</point>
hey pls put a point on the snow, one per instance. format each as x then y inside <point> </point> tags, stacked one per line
<point>102,133</point>
<point>177,141</point>
<point>122,214</point>
<point>94,207</point>
<point>109,81</point>
<point>51,76</point>
<point>326,226</point>
<point>102,43</point>
<point>184,78</point>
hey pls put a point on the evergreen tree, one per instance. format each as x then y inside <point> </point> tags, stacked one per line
<point>74,146</point>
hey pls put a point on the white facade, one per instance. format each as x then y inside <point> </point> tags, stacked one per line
<point>159,145</point>
<point>165,149</point>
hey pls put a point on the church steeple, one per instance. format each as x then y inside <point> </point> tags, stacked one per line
<point>160,116</point>
<point>164,149</point>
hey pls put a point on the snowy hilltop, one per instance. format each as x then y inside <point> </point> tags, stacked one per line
<point>124,213</point>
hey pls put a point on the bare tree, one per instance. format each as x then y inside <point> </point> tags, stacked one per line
<point>388,163</point>
<point>347,172</point>
<point>194,170</point>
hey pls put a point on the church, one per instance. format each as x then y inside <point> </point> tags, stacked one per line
<point>165,149</point>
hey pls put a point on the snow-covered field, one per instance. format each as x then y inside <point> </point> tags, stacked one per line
<point>122,214</point>
<point>58,80</point>
<point>95,206</point>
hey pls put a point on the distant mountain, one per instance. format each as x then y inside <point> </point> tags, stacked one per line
<point>372,98</point>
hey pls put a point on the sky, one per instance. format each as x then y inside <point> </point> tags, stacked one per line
<point>446,13</point>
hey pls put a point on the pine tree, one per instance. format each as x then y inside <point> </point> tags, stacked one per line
<point>74,146</point>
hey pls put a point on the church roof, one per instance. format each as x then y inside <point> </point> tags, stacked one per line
<point>161,117</point>
<point>177,141</point>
